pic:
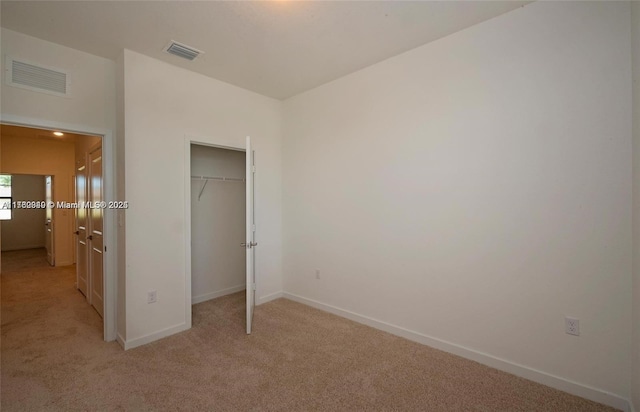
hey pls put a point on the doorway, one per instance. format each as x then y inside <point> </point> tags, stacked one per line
<point>25,221</point>
<point>46,150</point>
<point>221,243</point>
<point>218,198</point>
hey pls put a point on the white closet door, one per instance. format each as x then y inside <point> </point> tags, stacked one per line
<point>250,244</point>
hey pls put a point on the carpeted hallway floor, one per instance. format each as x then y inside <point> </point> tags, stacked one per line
<point>298,359</point>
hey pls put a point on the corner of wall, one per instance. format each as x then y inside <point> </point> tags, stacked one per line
<point>120,195</point>
<point>635,349</point>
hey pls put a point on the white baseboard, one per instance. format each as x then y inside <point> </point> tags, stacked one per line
<point>120,340</point>
<point>212,295</point>
<point>522,371</point>
<point>269,298</point>
<point>142,340</point>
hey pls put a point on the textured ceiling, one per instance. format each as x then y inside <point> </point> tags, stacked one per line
<point>275,48</point>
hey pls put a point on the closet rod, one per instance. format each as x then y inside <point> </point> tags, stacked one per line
<point>230,179</point>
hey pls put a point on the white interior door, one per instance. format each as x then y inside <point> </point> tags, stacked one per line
<point>95,239</point>
<point>250,244</point>
<point>82,251</point>
<point>48,223</point>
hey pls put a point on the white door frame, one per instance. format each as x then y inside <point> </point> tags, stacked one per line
<point>109,180</point>
<point>188,141</point>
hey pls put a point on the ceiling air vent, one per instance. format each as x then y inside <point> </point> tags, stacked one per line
<point>37,78</point>
<point>182,50</point>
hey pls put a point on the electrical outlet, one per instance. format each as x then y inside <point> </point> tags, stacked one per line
<point>572,326</point>
<point>152,296</point>
<point>317,273</point>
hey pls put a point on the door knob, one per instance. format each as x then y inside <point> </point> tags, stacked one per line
<point>90,237</point>
<point>77,232</point>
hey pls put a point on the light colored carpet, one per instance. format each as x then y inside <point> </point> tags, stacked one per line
<point>298,359</point>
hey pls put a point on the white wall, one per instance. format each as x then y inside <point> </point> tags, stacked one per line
<point>92,100</point>
<point>217,223</point>
<point>477,190</point>
<point>217,162</point>
<point>25,230</point>
<point>163,105</point>
<point>635,350</point>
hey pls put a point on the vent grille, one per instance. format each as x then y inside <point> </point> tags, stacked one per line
<point>38,78</point>
<point>182,50</point>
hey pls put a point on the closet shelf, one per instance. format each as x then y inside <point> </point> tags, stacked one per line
<point>225,179</point>
<point>222,179</point>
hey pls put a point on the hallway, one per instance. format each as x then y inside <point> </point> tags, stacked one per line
<point>42,312</point>
<point>35,293</point>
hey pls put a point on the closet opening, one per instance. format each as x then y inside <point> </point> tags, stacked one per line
<point>218,224</point>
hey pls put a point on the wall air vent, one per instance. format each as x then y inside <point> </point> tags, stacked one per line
<point>36,77</point>
<point>181,50</point>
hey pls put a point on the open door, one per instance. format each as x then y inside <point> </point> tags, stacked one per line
<point>48,223</point>
<point>250,244</point>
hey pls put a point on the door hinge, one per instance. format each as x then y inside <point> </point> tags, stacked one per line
<point>105,248</point>
<point>254,286</point>
<point>253,228</point>
<point>253,168</point>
